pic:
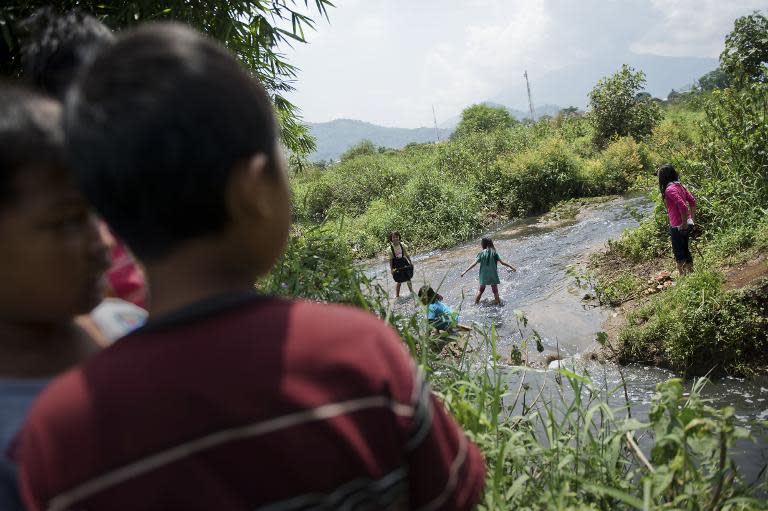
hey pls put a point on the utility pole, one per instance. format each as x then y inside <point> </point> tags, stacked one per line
<point>530,100</point>
<point>434,118</point>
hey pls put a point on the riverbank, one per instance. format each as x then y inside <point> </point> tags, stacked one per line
<point>711,322</point>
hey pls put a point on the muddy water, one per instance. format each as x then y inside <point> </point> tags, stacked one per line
<point>541,250</point>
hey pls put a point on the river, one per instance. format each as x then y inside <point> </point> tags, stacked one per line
<point>541,249</point>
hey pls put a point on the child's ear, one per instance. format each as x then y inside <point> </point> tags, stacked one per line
<point>248,191</point>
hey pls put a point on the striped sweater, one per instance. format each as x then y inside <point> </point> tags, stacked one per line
<point>248,403</point>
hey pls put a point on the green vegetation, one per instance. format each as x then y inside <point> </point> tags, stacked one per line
<point>560,447</point>
<point>253,30</point>
<point>620,108</point>
<point>439,194</point>
<point>698,325</point>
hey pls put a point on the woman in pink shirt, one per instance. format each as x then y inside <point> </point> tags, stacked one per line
<point>681,207</point>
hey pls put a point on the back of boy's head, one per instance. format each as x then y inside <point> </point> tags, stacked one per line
<point>487,243</point>
<point>155,125</point>
<point>56,47</point>
<point>30,136</point>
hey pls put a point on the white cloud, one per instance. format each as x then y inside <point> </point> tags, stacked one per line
<point>388,62</point>
<point>695,28</point>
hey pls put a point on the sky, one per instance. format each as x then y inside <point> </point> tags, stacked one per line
<point>389,61</point>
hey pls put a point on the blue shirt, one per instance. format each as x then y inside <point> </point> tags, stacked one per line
<point>16,396</point>
<point>440,315</point>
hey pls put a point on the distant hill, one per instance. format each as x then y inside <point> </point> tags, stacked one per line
<point>335,137</point>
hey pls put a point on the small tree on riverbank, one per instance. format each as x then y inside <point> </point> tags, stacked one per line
<point>619,108</point>
<point>483,119</point>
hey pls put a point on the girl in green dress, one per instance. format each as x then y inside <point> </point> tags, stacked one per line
<point>489,274</point>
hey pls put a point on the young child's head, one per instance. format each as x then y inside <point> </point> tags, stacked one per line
<point>667,174</point>
<point>52,255</point>
<point>175,143</point>
<point>487,243</point>
<point>56,46</point>
<point>428,295</point>
<point>394,237</point>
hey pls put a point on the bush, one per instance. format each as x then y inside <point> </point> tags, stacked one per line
<point>437,211</point>
<point>621,166</point>
<point>363,148</point>
<point>540,178</point>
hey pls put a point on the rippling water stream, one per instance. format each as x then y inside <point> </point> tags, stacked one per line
<point>541,250</point>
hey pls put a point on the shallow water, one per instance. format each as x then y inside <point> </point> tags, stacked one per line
<point>541,251</point>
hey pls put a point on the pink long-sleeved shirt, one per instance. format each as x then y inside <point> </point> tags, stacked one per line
<point>678,201</point>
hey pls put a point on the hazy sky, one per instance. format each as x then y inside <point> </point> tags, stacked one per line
<point>389,61</point>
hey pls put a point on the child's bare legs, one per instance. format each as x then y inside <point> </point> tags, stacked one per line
<point>495,289</point>
<point>479,294</point>
<point>397,290</point>
<point>410,286</point>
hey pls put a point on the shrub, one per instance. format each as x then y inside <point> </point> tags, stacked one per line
<point>437,211</point>
<point>362,148</point>
<point>621,165</point>
<point>540,178</point>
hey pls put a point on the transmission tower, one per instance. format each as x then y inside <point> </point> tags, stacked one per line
<point>434,118</point>
<point>530,100</point>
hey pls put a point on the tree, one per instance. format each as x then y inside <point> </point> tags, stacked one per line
<point>570,111</point>
<point>716,79</point>
<point>362,148</point>
<point>618,107</point>
<point>253,30</point>
<point>483,119</point>
<point>745,56</point>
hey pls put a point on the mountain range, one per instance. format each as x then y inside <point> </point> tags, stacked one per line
<point>568,86</point>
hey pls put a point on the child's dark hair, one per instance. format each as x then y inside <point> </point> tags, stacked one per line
<point>155,125</point>
<point>667,174</point>
<point>428,295</point>
<point>393,234</point>
<point>55,47</point>
<point>30,136</point>
<point>487,243</point>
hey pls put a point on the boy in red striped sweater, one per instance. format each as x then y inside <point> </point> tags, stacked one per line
<point>225,399</point>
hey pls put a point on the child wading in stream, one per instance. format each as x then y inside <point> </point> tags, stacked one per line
<point>400,264</point>
<point>489,274</point>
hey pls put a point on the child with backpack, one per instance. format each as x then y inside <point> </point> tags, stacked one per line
<point>400,263</point>
<point>488,260</point>
<point>224,391</point>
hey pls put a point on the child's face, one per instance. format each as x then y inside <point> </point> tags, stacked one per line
<point>52,253</point>
<point>395,238</point>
